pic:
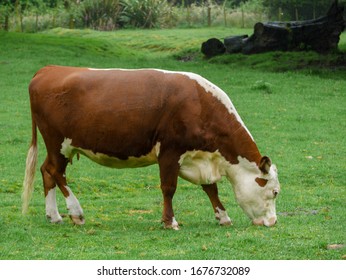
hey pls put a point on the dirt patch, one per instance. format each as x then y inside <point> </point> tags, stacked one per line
<point>301,211</point>
<point>335,246</point>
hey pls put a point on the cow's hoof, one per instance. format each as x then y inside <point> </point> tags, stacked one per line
<point>173,225</point>
<point>77,220</point>
<point>54,220</point>
<point>223,217</point>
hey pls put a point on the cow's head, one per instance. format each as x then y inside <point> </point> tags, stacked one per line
<point>256,188</point>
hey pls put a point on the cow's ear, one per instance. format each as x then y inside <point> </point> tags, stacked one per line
<point>265,164</point>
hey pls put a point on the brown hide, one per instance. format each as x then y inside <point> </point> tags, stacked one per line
<point>124,113</point>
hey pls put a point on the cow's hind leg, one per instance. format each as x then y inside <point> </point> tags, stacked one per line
<point>52,212</point>
<point>53,171</point>
<point>219,210</point>
<point>169,169</point>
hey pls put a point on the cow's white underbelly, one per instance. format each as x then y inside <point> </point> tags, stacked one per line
<point>198,167</point>
<point>68,150</point>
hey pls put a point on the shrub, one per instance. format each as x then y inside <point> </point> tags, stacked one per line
<point>102,14</point>
<point>144,13</point>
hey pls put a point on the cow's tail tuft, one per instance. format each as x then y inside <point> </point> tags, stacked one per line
<point>30,169</point>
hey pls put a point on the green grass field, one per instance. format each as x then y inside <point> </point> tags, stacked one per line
<point>293,104</point>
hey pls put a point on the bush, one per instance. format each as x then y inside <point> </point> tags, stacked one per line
<point>144,13</point>
<point>102,14</point>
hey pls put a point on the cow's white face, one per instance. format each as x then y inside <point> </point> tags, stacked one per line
<point>256,190</point>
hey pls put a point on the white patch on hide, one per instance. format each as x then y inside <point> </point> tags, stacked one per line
<point>223,217</point>
<point>52,212</point>
<point>215,91</point>
<point>257,202</point>
<point>200,167</point>
<point>68,150</point>
<point>175,224</point>
<point>72,204</point>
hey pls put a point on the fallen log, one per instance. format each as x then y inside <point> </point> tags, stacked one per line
<point>321,35</point>
<point>213,47</point>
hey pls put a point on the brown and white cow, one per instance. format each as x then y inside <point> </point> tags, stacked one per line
<point>133,118</point>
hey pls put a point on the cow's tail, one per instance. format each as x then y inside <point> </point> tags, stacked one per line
<point>31,162</point>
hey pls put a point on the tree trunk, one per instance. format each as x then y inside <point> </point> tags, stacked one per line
<point>213,47</point>
<point>321,35</point>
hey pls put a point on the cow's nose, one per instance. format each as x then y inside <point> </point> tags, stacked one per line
<point>272,221</point>
<point>258,222</point>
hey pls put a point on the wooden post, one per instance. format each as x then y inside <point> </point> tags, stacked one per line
<point>71,24</point>
<point>188,15</point>
<point>280,14</point>
<point>224,12</point>
<point>6,26</point>
<point>36,22</point>
<point>242,17</point>
<point>209,16</point>
<point>225,17</point>
<point>18,21</point>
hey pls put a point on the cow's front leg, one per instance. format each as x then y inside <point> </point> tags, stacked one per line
<point>219,210</point>
<point>169,169</point>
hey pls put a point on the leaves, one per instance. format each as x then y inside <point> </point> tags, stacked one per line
<point>143,14</point>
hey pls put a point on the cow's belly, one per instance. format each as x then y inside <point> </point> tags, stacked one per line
<point>68,150</point>
<point>198,167</point>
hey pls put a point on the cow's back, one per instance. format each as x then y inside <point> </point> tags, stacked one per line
<point>116,112</point>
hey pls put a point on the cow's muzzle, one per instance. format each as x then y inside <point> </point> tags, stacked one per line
<point>265,222</point>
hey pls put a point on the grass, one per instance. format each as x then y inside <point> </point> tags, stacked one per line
<point>293,104</point>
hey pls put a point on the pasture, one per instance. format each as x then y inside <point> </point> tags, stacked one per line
<point>293,104</point>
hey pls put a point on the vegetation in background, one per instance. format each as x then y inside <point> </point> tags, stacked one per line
<point>38,15</point>
<point>144,14</point>
<point>102,15</point>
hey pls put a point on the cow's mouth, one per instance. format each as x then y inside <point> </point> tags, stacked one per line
<point>264,222</point>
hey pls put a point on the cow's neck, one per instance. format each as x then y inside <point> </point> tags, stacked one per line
<point>239,144</point>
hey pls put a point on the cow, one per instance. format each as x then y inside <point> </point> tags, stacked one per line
<point>125,118</point>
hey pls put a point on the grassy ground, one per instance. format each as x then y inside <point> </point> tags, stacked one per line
<point>293,104</point>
